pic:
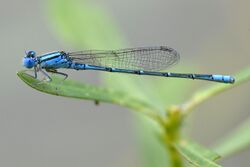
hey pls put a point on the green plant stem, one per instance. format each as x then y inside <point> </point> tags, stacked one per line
<point>175,157</point>
<point>172,132</point>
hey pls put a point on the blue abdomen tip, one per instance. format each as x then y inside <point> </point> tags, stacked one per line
<point>223,78</point>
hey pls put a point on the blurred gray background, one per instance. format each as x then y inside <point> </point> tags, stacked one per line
<point>43,130</point>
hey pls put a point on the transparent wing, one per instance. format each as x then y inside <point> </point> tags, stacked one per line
<point>146,58</point>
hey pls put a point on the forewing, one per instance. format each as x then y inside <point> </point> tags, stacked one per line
<point>147,58</point>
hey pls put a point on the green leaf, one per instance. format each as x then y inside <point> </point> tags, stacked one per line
<point>82,23</point>
<point>203,95</point>
<point>236,141</point>
<point>196,154</point>
<point>205,152</point>
<point>74,89</point>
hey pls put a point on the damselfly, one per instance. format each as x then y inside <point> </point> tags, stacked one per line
<point>140,61</point>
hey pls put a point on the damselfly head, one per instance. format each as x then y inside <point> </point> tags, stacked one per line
<point>29,59</point>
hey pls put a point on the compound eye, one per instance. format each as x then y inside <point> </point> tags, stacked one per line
<point>28,62</point>
<point>31,54</point>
